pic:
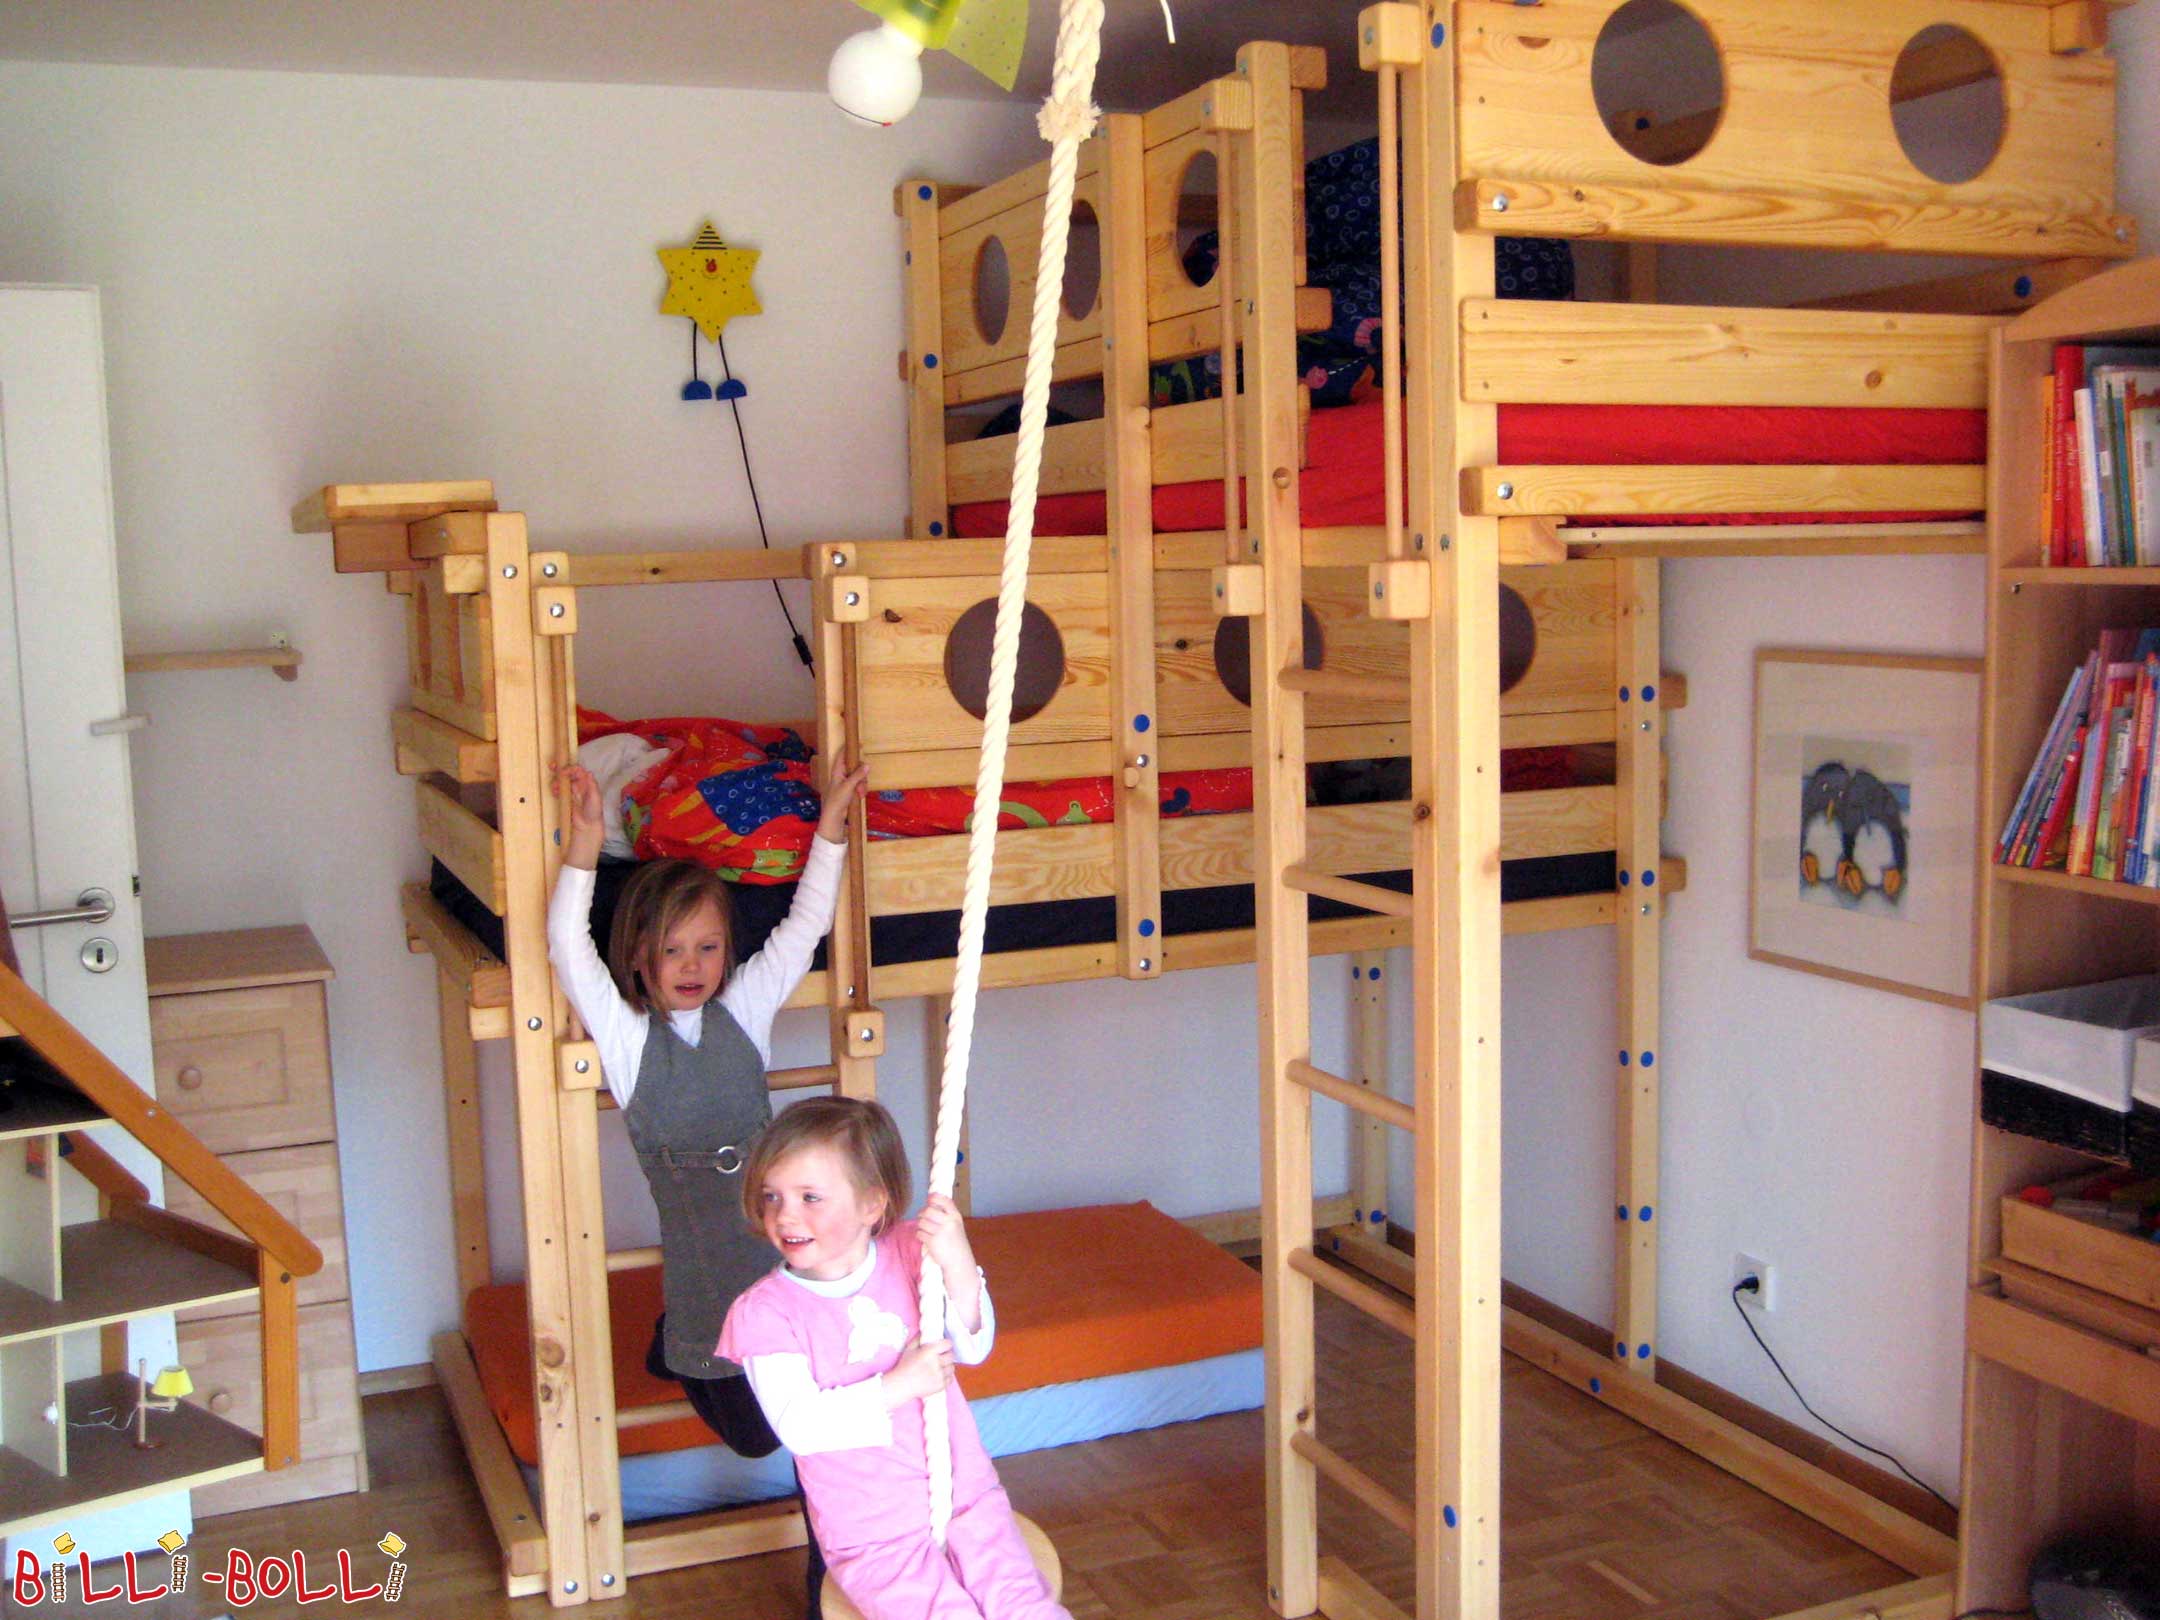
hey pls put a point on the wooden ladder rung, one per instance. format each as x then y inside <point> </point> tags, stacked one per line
<point>632,1259</point>
<point>1365,1099</point>
<point>1365,896</point>
<point>642,1417</point>
<point>1389,1312</point>
<point>1342,684</point>
<point>810,1074</point>
<point>1355,1480</point>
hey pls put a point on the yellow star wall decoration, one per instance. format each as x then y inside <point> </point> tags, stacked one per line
<point>709,282</point>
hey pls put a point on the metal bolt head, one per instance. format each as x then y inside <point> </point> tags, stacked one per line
<point>1417,542</point>
<point>838,559</point>
<point>1447,543</point>
<point>570,1587</point>
<point>1646,911</point>
<point>1147,964</point>
<point>583,1066</point>
<point>1506,491</point>
<point>1379,590</point>
<point>607,1580</point>
<point>555,610</point>
<point>509,570</point>
<point>548,570</point>
<point>854,598</point>
<point>1141,761</point>
<point>532,1023</point>
<point>1500,203</point>
<point>868,1034</point>
<point>1646,725</point>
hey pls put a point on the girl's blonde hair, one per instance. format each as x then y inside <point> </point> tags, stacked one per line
<point>653,904</point>
<point>858,1129</point>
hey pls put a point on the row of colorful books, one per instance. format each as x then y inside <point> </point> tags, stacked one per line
<point>2088,805</point>
<point>2100,499</point>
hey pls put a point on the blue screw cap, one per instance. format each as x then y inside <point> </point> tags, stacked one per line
<point>1141,722</point>
<point>923,192</point>
<point>2022,286</point>
<point>1147,927</point>
<point>936,528</point>
<point>929,362</point>
<point>1648,693</point>
<point>1645,1212</point>
<point>1439,38</point>
<point>1447,1513</point>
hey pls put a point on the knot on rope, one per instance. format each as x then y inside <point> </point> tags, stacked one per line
<point>1073,116</point>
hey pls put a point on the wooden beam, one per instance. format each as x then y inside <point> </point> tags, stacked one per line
<point>509,1504</point>
<point>1928,1598</point>
<point>929,497</point>
<point>1740,219</point>
<point>736,563</point>
<point>1997,290</point>
<point>484,980</point>
<point>384,503</point>
<point>426,744</point>
<point>1957,536</point>
<point>280,1364</point>
<point>1620,490</point>
<point>1528,351</point>
<point>468,1164</point>
<point>463,842</point>
<point>1637,814</point>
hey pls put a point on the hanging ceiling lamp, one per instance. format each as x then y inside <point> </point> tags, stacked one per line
<point>876,76</point>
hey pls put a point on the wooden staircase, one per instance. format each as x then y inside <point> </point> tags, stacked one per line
<point>68,1445</point>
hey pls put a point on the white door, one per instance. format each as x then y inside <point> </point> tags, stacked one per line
<point>66,815</point>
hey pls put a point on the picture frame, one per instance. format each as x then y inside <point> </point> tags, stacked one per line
<point>1862,861</point>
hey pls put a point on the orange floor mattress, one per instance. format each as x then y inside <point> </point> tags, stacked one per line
<point>1080,1293</point>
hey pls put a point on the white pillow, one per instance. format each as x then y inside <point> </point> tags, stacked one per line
<point>616,762</point>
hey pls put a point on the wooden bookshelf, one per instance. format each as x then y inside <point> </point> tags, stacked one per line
<point>2062,1422</point>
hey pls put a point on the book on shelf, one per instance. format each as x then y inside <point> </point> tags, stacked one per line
<point>2100,480</point>
<point>2088,803</point>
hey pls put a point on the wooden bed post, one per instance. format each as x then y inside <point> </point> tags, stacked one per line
<point>568,1394</point>
<point>1455,850</point>
<point>850,1011</point>
<point>468,1162</point>
<point>916,202</point>
<point>1265,249</point>
<point>1129,475</point>
<point>1638,906</point>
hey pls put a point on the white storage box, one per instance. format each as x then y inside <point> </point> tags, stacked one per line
<point>2145,1071</point>
<point>2081,1040</point>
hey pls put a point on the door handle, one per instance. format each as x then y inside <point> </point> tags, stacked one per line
<point>91,906</point>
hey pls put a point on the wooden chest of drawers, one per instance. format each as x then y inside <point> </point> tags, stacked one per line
<point>241,1045</point>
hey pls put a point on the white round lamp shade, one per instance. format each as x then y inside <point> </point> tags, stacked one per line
<point>876,76</point>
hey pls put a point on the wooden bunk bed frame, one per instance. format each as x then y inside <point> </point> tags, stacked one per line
<point>1493,133</point>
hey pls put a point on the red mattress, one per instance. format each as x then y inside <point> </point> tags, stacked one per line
<point>1340,485</point>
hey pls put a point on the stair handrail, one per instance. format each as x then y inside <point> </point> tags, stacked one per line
<point>101,1080</point>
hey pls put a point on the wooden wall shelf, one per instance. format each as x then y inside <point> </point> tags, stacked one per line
<point>284,662</point>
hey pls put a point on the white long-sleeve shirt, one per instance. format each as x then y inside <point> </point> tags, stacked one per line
<point>809,1419</point>
<point>758,990</point>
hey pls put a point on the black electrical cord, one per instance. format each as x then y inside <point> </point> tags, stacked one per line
<point>1740,1288</point>
<point>802,647</point>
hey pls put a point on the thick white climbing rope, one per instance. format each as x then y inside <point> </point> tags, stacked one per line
<point>1066,119</point>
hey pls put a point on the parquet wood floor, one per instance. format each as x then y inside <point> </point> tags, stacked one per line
<point>1604,1520</point>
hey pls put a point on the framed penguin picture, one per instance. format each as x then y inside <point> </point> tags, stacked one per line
<point>1866,805</point>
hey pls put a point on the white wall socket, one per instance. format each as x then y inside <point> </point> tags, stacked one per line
<point>1765,1296</point>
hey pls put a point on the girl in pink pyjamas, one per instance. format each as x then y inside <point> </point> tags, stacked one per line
<point>829,1344</point>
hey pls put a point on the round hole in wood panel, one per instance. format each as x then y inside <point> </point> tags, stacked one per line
<point>1658,80</point>
<point>993,289</point>
<point>1196,215</point>
<point>1083,264</point>
<point>1518,639</point>
<point>1233,652</point>
<point>967,661</point>
<point>1946,103</point>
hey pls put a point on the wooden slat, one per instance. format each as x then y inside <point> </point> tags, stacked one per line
<point>463,842</point>
<point>971,205</point>
<point>509,1504</point>
<point>950,559</point>
<point>1347,1595</point>
<point>2109,1374</point>
<point>681,567</point>
<point>1722,218</point>
<point>483,979</point>
<point>1958,536</point>
<point>1620,490</point>
<point>955,767</point>
<point>1526,351</point>
<point>462,1119</point>
<point>104,1172</point>
<point>1997,290</point>
<point>1343,684</point>
<point>1637,812</point>
<point>705,1538</point>
<point>425,744</point>
<point>448,534</point>
<point>283,661</point>
<point>1187,444</point>
<point>965,342</point>
<point>2088,310</point>
<point>1928,1598</point>
<point>1352,1095</point>
<point>204,1240</point>
<point>403,503</point>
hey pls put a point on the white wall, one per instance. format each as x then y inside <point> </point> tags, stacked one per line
<point>317,278</point>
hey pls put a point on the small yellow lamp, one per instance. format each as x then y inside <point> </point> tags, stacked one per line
<point>165,1393</point>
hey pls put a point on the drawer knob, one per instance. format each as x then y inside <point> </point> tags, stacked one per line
<point>190,1078</point>
<point>221,1402</point>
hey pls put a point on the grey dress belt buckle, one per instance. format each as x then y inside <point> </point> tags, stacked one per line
<point>727,1160</point>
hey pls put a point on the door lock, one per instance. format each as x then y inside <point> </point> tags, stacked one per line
<point>99,955</point>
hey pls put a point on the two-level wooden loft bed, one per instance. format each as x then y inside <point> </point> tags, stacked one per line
<point>493,626</point>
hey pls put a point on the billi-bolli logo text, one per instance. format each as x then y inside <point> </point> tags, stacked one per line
<point>244,1577</point>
